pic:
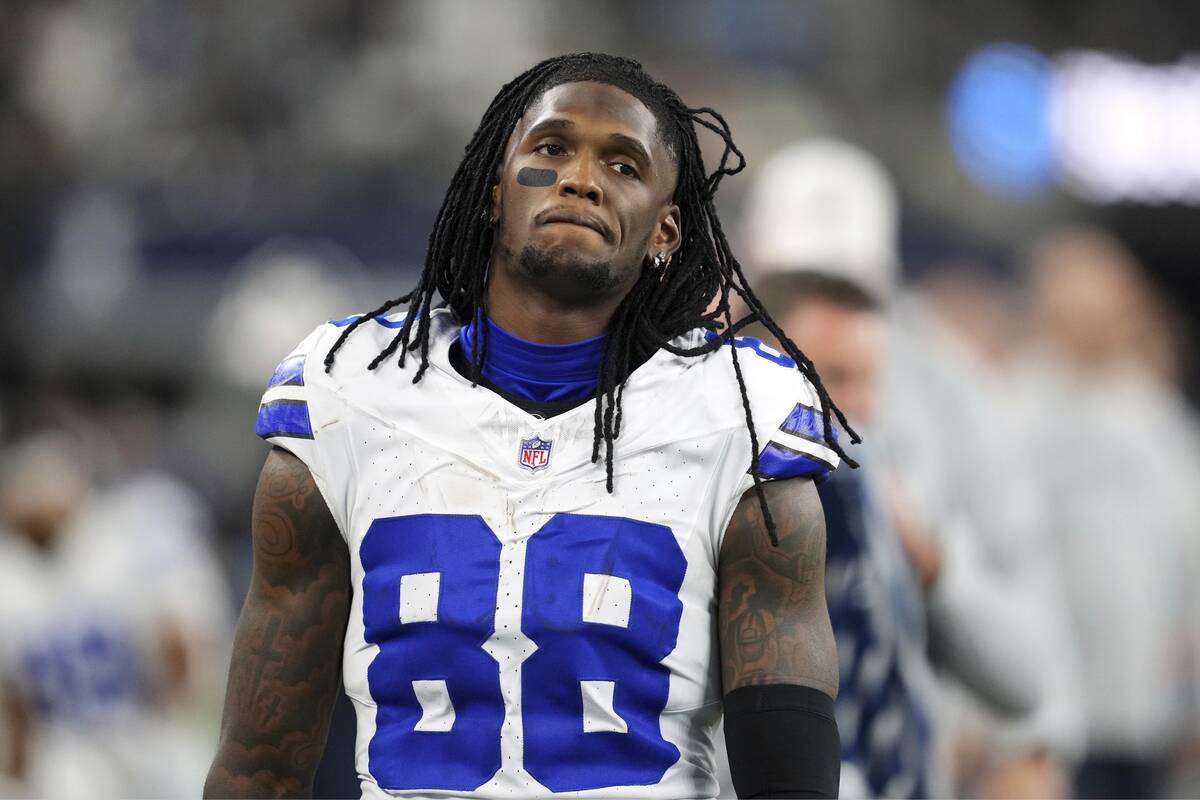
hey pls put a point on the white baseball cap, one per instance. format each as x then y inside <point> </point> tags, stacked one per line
<point>827,206</point>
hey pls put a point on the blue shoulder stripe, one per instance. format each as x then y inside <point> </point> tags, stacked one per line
<point>290,372</point>
<point>777,461</point>
<point>284,418</point>
<point>807,423</point>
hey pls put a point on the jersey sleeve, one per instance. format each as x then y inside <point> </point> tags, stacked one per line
<point>787,413</point>
<point>788,426</point>
<point>301,412</point>
<point>797,447</point>
<point>284,418</point>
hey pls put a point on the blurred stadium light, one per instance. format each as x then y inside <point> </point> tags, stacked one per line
<point>1128,131</point>
<point>1104,126</point>
<point>997,114</point>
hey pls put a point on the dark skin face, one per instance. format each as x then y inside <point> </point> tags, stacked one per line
<point>568,251</point>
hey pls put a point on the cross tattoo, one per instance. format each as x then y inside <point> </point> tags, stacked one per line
<point>263,655</point>
<point>270,710</point>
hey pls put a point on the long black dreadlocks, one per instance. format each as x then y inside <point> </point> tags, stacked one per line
<point>662,305</point>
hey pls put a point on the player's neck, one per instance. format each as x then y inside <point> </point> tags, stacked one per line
<point>536,371</point>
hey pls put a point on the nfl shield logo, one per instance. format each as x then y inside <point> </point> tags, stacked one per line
<point>535,453</point>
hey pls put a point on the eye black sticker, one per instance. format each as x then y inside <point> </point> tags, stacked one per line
<point>530,176</point>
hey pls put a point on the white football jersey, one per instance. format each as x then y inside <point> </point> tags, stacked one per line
<point>516,630</point>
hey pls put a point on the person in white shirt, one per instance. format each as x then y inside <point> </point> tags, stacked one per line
<point>1115,446</point>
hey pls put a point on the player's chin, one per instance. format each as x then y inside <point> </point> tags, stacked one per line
<point>563,251</point>
<point>563,268</point>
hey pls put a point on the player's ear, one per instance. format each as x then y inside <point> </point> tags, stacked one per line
<point>497,197</point>
<point>667,236</point>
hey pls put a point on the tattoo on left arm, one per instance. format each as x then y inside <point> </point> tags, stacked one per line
<point>774,625</point>
<point>285,670</point>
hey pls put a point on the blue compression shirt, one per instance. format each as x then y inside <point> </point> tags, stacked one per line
<point>539,372</point>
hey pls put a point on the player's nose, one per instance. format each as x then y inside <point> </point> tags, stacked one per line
<point>579,180</point>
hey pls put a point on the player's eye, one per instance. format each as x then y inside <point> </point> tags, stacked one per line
<point>628,170</point>
<point>550,149</point>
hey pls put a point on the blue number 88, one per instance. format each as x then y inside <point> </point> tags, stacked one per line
<point>600,601</point>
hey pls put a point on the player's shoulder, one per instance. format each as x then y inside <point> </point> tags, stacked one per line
<point>328,357</point>
<point>331,366</point>
<point>284,411</point>
<point>785,405</point>
<point>308,359</point>
<point>766,373</point>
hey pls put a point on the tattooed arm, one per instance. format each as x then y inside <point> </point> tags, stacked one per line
<point>284,676</point>
<point>779,664</point>
<point>773,620</point>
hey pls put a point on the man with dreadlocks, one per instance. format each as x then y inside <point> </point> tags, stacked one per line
<point>510,617</point>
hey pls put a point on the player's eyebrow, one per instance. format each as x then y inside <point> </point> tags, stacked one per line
<point>632,146</point>
<point>549,125</point>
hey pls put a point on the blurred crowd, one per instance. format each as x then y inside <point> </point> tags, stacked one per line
<point>1013,572</point>
<point>187,188</point>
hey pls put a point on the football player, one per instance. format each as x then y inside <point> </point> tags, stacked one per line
<point>548,530</point>
<point>110,602</point>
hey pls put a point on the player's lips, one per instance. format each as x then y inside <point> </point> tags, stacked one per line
<point>570,217</point>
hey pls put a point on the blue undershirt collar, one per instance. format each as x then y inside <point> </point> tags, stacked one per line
<point>543,373</point>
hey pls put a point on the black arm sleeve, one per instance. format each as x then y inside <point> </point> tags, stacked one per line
<point>782,741</point>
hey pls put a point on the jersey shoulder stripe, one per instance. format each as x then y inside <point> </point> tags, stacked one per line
<point>287,418</point>
<point>805,422</point>
<point>285,414</point>
<point>798,447</point>
<point>787,415</point>
<point>290,372</point>
<point>778,461</point>
<point>286,411</point>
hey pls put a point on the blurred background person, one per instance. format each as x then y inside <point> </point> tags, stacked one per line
<point>886,697</point>
<point>955,507</point>
<point>109,609</point>
<point>968,311</point>
<point>1115,446</point>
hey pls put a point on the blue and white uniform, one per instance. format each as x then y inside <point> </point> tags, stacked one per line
<point>515,629</point>
<point>81,627</point>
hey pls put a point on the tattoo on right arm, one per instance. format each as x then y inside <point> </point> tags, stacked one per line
<point>772,619</point>
<point>284,675</point>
